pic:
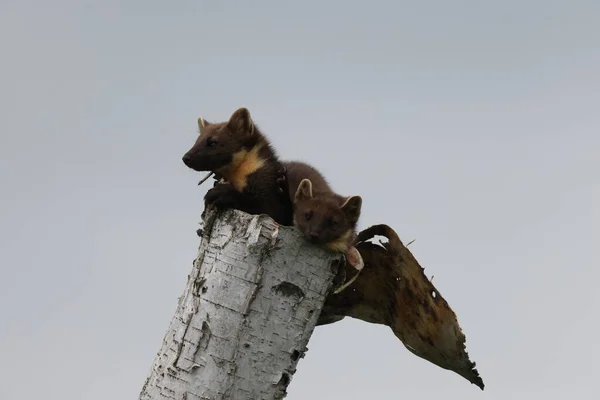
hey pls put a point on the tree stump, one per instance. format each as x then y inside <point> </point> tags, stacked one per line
<point>249,308</point>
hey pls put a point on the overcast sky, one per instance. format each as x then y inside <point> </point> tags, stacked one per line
<point>471,127</point>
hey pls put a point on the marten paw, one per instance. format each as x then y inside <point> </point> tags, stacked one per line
<point>221,196</point>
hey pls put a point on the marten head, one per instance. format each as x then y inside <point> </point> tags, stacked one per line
<point>327,219</point>
<point>223,147</point>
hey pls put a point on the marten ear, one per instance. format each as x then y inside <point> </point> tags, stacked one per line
<point>241,122</point>
<point>351,208</point>
<point>304,191</point>
<point>202,123</point>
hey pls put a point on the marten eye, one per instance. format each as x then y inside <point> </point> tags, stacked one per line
<point>332,222</point>
<point>211,142</point>
<point>308,215</point>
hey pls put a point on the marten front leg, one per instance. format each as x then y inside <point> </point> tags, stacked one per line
<point>222,195</point>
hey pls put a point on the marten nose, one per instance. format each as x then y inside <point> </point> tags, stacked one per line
<point>186,159</point>
<point>313,235</point>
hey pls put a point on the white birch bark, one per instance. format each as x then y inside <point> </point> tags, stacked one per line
<point>249,308</point>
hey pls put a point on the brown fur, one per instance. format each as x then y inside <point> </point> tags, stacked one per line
<point>323,216</point>
<point>238,152</point>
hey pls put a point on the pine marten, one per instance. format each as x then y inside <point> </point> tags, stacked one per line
<point>238,152</point>
<point>323,216</point>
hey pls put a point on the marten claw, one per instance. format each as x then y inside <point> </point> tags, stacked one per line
<point>282,179</point>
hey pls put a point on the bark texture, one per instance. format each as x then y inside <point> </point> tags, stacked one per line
<point>249,308</point>
<point>393,290</point>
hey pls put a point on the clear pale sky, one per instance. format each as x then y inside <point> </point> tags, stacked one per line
<point>472,127</point>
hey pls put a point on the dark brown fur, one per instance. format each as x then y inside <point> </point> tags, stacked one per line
<point>323,216</point>
<point>238,152</point>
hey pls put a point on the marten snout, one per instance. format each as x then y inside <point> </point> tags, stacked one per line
<point>191,160</point>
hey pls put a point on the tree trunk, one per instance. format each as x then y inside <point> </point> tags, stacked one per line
<point>249,308</point>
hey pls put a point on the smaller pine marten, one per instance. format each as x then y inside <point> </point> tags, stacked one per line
<point>238,152</point>
<point>323,216</point>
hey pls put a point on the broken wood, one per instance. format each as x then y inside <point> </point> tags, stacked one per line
<point>393,290</point>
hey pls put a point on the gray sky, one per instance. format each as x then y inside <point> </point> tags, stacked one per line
<point>469,126</point>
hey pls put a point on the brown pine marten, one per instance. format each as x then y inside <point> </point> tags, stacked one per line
<point>238,152</point>
<point>323,216</point>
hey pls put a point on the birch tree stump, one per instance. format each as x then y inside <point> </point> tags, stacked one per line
<point>249,308</point>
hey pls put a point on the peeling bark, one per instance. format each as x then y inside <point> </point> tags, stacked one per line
<point>393,290</point>
<point>249,308</point>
